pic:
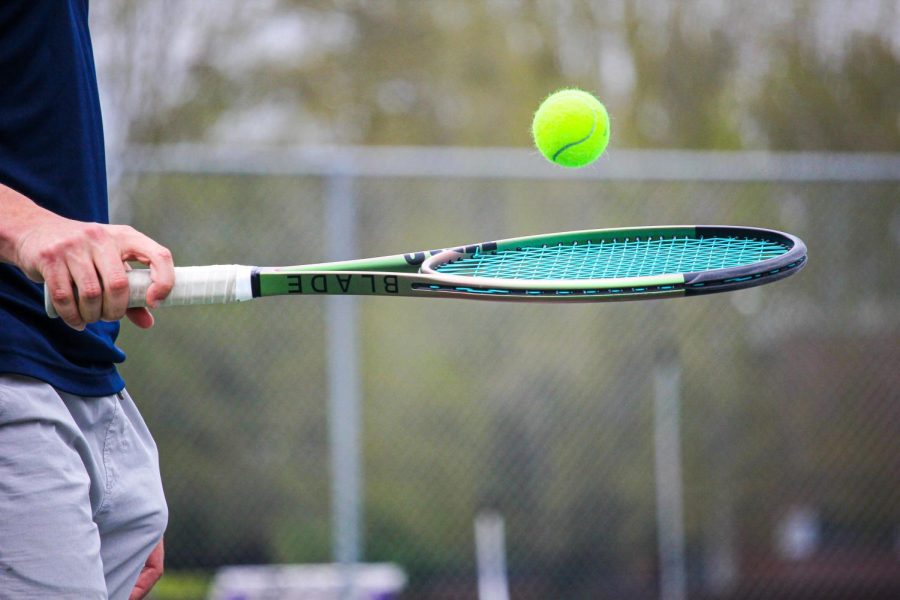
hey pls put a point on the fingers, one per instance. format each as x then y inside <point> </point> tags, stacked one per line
<point>162,275</point>
<point>85,270</point>
<point>79,264</point>
<point>141,317</point>
<point>114,285</point>
<point>150,574</point>
<point>62,294</point>
<point>137,246</point>
<point>89,296</point>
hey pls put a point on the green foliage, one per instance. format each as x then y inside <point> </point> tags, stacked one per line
<point>693,74</point>
<point>181,585</point>
<point>809,102</point>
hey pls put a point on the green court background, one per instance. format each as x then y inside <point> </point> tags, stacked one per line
<point>788,399</point>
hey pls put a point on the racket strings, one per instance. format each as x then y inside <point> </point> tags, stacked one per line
<point>616,258</point>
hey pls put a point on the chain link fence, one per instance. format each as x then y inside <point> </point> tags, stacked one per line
<point>787,403</point>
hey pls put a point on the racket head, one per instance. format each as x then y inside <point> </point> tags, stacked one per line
<point>616,264</point>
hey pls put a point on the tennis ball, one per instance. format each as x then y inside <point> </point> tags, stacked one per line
<point>571,128</point>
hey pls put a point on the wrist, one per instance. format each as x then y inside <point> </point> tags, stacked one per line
<point>18,217</point>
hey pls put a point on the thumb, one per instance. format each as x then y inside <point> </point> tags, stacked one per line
<point>140,317</point>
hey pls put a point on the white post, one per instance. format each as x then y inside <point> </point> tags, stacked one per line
<point>669,499</point>
<point>490,552</point>
<point>344,389</point>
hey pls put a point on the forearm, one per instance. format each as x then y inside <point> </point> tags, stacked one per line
<point>18,216</point>
<point>82,264</point>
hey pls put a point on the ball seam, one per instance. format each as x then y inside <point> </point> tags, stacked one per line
<point>582,140</point>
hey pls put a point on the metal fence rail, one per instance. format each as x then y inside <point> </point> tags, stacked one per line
<point>511,163</point>
<point>786,398</point>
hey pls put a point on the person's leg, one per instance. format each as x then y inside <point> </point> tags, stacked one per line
<point>132,515</point>
<point>49,543</point>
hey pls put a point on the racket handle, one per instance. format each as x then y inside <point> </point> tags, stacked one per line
<point>214,284</point>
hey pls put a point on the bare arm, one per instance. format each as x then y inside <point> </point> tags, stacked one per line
<point>83,264</point>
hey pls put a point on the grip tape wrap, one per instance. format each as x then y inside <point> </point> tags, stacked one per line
<point>214,284</point>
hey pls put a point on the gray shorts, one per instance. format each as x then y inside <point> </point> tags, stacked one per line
<point>81,502</point>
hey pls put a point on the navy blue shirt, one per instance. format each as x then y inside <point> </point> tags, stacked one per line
<point>51,150</point>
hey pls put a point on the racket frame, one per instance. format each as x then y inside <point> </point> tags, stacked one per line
<point>417,274</point>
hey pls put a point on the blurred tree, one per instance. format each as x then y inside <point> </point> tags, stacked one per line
<point>809,102</point>
<point>694,74</point>
<point>680,98</point>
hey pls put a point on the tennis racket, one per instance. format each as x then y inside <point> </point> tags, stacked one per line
<point>579,266</point>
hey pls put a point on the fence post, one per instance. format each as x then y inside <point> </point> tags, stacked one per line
<point>669,492</point>
<point>343,386</point>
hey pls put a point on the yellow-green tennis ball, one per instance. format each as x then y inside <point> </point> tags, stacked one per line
<point>571,128</point>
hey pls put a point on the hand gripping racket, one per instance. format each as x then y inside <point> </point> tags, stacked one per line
<point>579,266</point>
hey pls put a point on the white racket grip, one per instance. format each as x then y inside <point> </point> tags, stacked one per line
<point>213,284</point>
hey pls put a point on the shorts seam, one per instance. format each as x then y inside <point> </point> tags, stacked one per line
<point>107,452</point>
<point>3,400</point>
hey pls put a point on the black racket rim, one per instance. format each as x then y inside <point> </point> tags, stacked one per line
<point>754,274</point>
<point>689,284</point>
